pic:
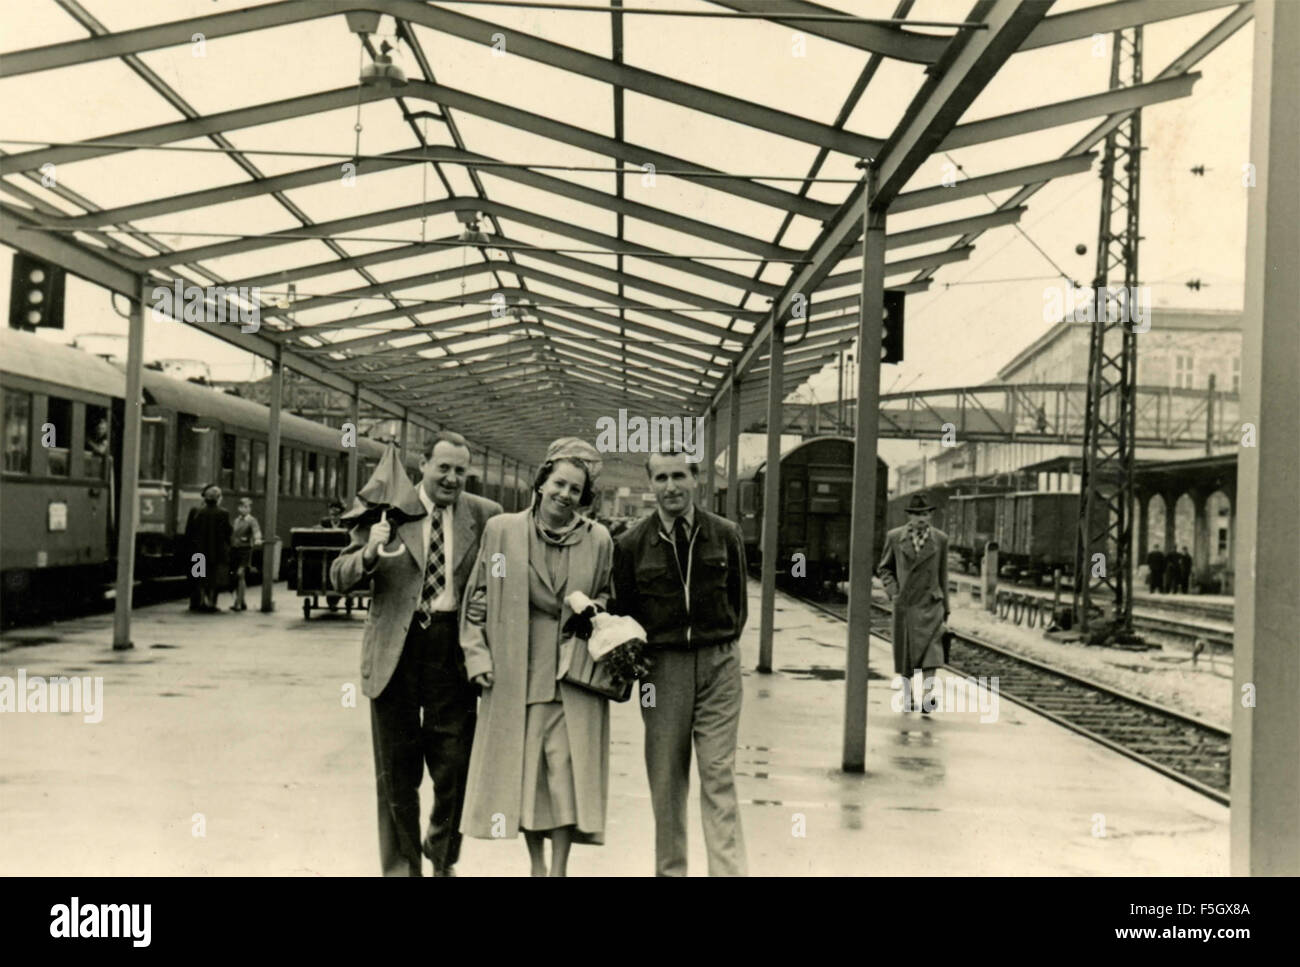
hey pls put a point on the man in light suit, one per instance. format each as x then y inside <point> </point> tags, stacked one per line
<point>422,709</point>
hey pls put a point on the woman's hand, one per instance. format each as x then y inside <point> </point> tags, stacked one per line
<point>483,680</point>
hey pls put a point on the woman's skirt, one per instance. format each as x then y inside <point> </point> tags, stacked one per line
<point>549,797</point>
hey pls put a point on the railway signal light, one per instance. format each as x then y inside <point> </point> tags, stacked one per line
<point>35,294</point>
<point>891,329</point>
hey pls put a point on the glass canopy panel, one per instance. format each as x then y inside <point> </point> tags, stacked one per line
<point>519,82</point>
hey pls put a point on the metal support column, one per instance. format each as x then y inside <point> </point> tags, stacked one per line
<point>270,548</point>
<point>733,454</point>
<point>862,538</point>
<point>404,433</point>
<point>1265,838</point>
<point>354,458</point>
<point>710,456</point>
<point>771,491</point>
<point>128,503</point>
<point>1105,523</point>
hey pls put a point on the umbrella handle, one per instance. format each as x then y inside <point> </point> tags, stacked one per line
<point>383,516</point>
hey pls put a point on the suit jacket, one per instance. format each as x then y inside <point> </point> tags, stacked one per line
<point>397,582</point>
<point>918,586</point>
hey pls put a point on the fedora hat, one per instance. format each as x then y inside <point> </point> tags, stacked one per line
<point>918,503</point>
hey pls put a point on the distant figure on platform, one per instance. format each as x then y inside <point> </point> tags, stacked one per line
<point>423,707</point>
<point>246,534</point>
<point>333,519</point>
<point>207,533</point>
<point>1156,570</point>
<point>680,572</point>
<point>333,515</point>
<point>1184,570</point>
<point>914,570</point>
<point>541,750</point>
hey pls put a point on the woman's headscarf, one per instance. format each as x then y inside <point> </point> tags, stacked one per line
<point>580,452</point>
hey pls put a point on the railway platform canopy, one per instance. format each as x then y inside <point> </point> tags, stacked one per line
<point>518,218</point>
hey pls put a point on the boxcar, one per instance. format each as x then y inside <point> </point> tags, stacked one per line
<point>816,511</point>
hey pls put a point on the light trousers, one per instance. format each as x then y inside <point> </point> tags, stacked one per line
<point>697,697</point>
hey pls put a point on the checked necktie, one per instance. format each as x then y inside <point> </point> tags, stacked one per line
<point>435,571</point>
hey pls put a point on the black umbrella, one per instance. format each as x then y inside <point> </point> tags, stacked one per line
<point>388,495</point>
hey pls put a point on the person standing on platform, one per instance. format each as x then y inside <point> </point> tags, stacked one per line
<point>914,569</point>
<point>246,534</point>
<point>333,519</point>
<point>1184,570</point>
<point>1156,570</point>
<point>333,515</point>
<point>680,572</point>
<point>541,751</point>
<point>207,535</point>
<point>423,707</point>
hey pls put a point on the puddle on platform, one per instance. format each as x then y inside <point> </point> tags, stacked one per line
<point>824,673</point>
<point>915,763</point>
<point>30,641</point>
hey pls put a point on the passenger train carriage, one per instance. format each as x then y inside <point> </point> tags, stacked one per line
<point>62,417</point>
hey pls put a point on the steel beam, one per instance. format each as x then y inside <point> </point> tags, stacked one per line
<point>975,58</point>
<point>271,543</point>
<point>1265,820</point>
<point>128,513</point>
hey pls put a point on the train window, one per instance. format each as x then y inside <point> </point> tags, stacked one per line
<point>286,462</point>
<point>59,417</point>
<point>296,490</point>
<point>196,463</point>
<point>18,432</point>
<point>243,446</point>
<point>96,446</point>
<point>227,480</point>
<point>310,483</point>
<point>331,476</point>
<point>153,448</point>
<point>746,495</point>
<point>259,466</point>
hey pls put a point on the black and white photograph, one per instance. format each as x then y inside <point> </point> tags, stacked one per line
<point>651,438</point>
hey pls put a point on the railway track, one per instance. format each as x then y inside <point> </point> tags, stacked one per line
<point>1179,746</point>
<point>1033,606</point>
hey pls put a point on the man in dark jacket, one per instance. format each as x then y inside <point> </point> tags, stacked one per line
<point>1155,569</point>
<point>1184,570</point>
<point>680,572</point>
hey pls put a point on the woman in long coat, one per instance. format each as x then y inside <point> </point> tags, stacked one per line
<point>207,532</point>
<point>914,569</point>
<point>540,760</point>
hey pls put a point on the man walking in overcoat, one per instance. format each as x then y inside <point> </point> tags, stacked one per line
<point>423,707</point>
<point>914,570</point>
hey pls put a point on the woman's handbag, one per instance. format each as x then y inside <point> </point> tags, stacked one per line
<point>576,651</point>
<point>594,676</point>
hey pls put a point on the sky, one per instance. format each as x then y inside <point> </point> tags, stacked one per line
<point>977,315</point>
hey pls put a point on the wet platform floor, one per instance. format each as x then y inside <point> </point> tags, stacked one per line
<point>235,726</point>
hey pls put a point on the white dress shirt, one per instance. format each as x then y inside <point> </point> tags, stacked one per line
<point>446,601</point>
